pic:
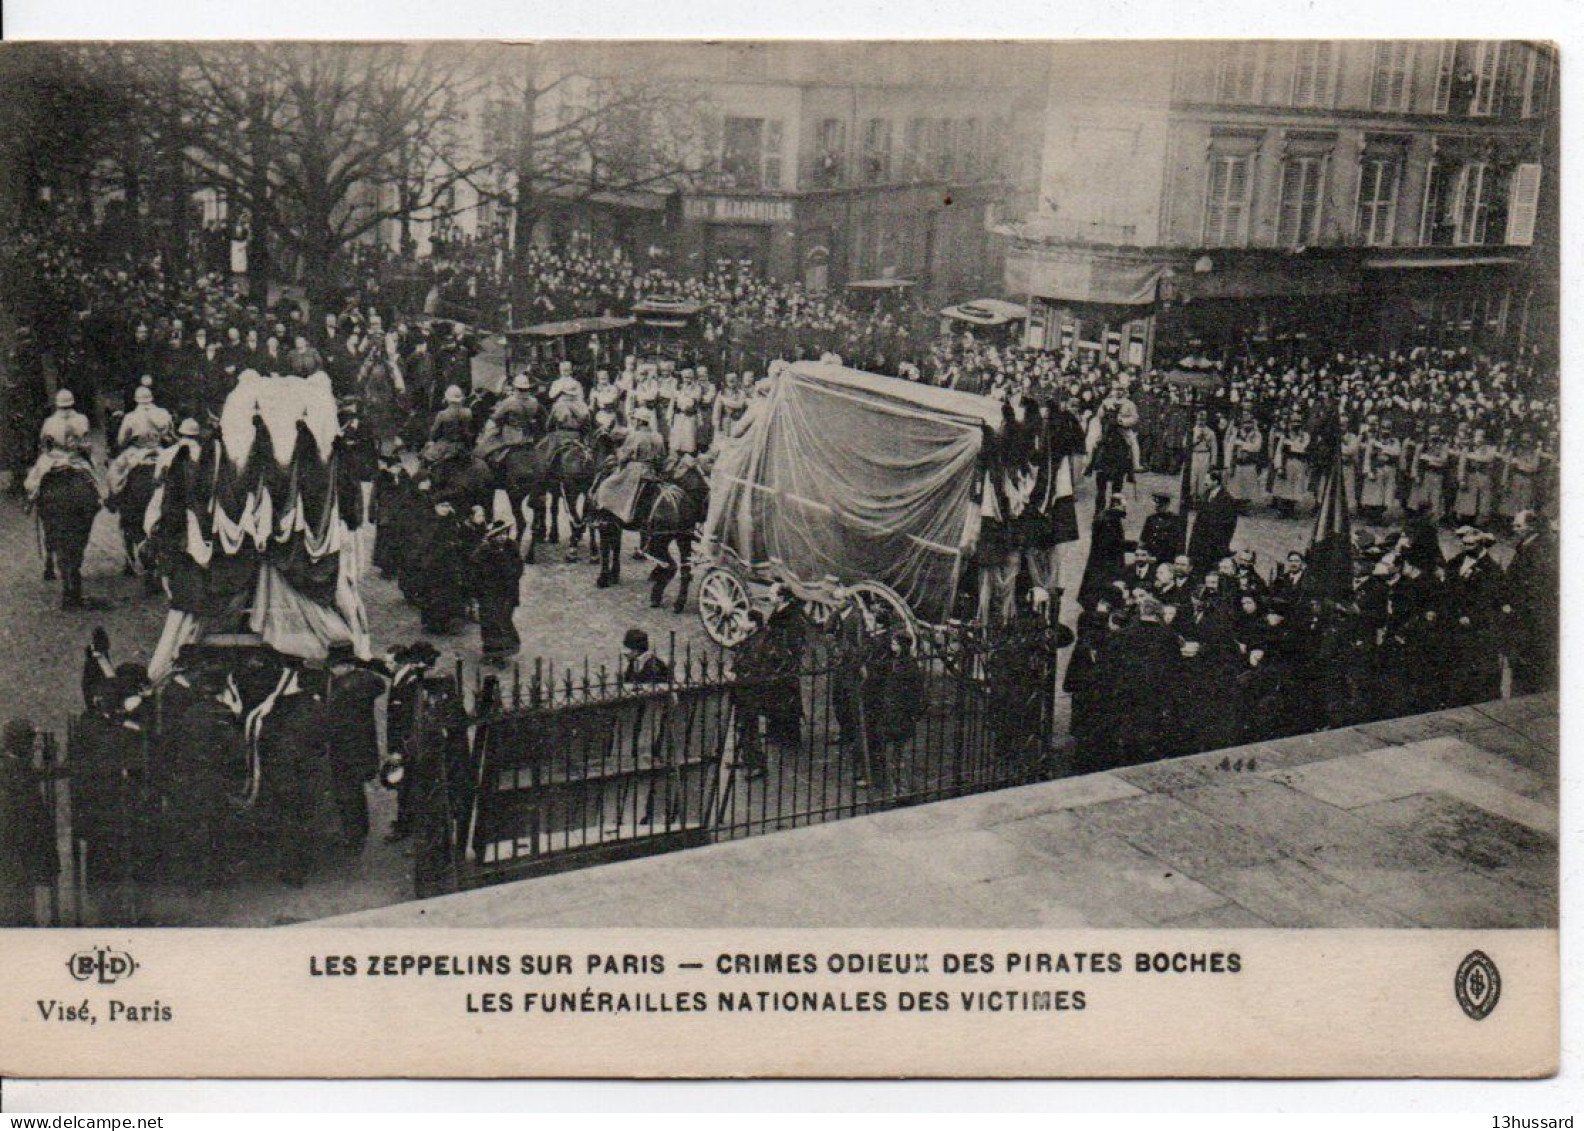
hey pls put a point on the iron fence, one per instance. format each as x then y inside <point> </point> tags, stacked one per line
<point>564,769</point>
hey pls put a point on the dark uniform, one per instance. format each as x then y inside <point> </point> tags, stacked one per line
<point>1215,523</point>
<point>354,747</point>
<point>28,856</point>
<point>1164,535</point>
<point>497,572</point>
<point>293,748</point>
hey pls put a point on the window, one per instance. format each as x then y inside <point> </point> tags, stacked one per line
<point>914,140</point>
<point>1487,78</point>
<point>1435,221</point>
<point>751,153</point>
<point>940,164</point>
<point>1302,192</point>
<point>1524,204</point>
<point>1237,72</point>
<point>1391,81</point>
<point>1471,204</point>
<point>1539,69</point>
<point>830,158</point>
<point>1379,178</point>
<point>877,150</point>
<point>1314,70</point>
<point>1228,191</point>
<point>1469,79</point>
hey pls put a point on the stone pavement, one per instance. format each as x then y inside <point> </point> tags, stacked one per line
<point>1441,820</point>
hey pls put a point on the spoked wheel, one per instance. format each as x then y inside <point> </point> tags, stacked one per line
<point>723,607</point>
<point>888,612</point>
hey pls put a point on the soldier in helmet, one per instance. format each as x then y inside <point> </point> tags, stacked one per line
<point>452,430</point>
<point>63,442</point>
<point>517,418</point>
<point>143,432</point>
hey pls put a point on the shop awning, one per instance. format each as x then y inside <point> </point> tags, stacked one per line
<point>1394,262</point>
<point>1255,283</point>
<point>1083,278</point>
<point>987,312</point>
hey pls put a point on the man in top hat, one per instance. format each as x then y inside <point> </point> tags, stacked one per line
<point>639,663</point>
<point>1215,524</point>
<point>1530,609</point>
<point>354,741</point>
<point>1165,532</point>
<point>63,443</point>
<point>1473,597</point>
<point>408,668</point>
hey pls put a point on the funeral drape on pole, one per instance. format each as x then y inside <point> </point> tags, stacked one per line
<point>261,524</point>
<point>861,477</point>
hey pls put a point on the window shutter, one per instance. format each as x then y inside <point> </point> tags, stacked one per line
<point>1524,206</point>
<point>1487,71</point>
<point>1443,90</point>
<point>1215,202</point>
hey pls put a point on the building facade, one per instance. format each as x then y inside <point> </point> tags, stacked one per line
<point>840,165</point>
<point>1267,196</point>
<point>802,162</point>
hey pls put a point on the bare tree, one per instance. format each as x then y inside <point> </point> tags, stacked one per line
<point>568,125</point>
<point>323,143</point>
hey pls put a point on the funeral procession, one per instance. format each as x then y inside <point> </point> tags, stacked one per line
<point>1103,484</point>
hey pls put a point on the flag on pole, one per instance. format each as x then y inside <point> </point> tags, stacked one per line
<point>1329,576</point>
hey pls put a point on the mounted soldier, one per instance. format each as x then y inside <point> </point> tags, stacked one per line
<point>516,419</point>
<point>144,432</point>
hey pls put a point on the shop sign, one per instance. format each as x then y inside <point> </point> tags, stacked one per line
<point>737,210</point>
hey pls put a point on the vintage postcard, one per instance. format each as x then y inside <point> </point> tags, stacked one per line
<point>780,558</point>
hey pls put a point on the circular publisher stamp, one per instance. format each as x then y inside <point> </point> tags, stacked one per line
<point>1478,985</point>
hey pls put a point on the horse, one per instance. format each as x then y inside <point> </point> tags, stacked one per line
<point>461,479</point>
<point>668,512</point>
<point>544,473</point>
<point>68,503</point>
<point>130,504</point>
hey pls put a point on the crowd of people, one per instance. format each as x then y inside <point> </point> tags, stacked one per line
<point>1184,645</point>
<point>248,741</point>
<point>1183,641</point>
<point>1459,434</point>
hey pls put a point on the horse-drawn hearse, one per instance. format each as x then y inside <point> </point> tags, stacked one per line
<point>848,486</point>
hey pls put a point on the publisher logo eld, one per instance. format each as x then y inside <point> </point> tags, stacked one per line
<point>101,965</point>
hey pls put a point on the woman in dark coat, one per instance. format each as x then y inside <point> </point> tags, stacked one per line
<point>1107,544</point>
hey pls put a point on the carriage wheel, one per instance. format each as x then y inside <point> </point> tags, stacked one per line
<point>890,612</point>
<point>723,607</point>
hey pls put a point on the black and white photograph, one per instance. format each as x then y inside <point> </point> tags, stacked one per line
<point>1041,484</point>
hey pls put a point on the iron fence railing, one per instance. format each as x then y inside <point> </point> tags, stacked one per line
<point>586,766</point>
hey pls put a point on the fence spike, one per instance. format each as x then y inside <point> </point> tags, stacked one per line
<point>516,684</point>
<point>602,679</point>
<point>585,676</point>
<point>538,679</point>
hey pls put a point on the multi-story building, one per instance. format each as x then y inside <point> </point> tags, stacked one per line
<point>819,163</point>
<point>841,162</point>
<point>1272,195</point>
